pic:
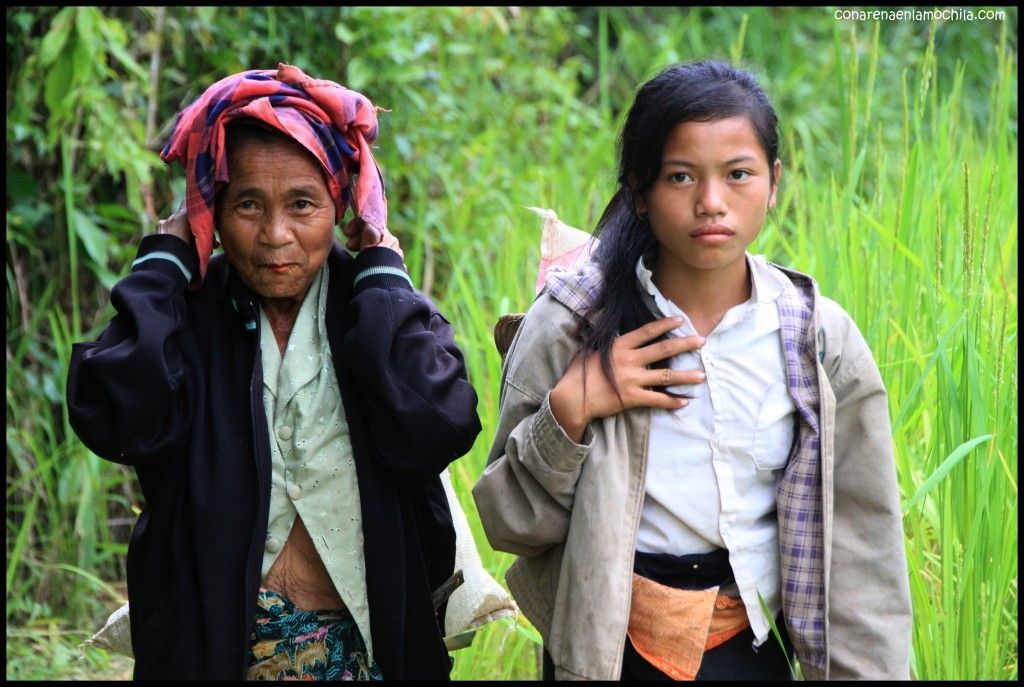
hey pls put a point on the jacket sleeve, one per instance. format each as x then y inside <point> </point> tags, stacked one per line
<point>131,393</point>
<point>525,494</point>
<point>869,594</point>
<point>421,406</point>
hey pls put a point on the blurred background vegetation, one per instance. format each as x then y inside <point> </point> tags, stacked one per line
<point>899,195</point>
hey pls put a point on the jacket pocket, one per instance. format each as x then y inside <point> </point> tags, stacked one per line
<point>436,530</point>
<point>774,429</point>
<point>153,643</point>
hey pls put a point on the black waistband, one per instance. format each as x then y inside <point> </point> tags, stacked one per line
<point>692,571</point>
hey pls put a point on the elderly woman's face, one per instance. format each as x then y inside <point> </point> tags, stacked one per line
<point>276,217</point>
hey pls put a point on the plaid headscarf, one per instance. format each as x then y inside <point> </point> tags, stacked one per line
<point>332,122</point>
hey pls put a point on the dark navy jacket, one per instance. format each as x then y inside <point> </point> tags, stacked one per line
<point>173,387</point>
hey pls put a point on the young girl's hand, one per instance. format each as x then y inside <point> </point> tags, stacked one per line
<point>574,410</point>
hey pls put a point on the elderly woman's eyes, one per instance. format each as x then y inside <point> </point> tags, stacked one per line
<point>249,206</point>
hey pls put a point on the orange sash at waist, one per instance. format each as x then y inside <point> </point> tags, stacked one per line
<point>672,628</point>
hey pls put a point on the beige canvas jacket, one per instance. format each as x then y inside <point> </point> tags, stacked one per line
<point>571,512</point>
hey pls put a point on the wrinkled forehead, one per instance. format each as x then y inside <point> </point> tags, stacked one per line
<point>269,160</point>
<point>275,159</point>
<point>246,139</point>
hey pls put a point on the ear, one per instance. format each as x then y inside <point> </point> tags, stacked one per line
<point>773,197</point>
<point>635,197</point>
<point>639,204</point>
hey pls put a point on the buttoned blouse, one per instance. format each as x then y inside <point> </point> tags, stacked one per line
<point>713,465</point>
<point>314,473</point>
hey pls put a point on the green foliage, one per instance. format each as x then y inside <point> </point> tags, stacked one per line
<point>899,194</point>
<point>45,652</point>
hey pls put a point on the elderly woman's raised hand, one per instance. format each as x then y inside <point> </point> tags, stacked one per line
<point>362,236</point>
<point>177,225</point>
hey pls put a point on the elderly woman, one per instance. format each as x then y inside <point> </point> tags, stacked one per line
<point>287,407</point>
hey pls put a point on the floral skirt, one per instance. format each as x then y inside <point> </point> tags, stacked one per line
<point>289,644</point>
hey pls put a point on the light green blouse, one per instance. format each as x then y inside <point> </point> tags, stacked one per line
<point>314,474</point>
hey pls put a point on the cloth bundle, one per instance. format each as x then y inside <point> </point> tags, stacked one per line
<point>335,124</point>
<point>480,599</point>
<point>561,246</point>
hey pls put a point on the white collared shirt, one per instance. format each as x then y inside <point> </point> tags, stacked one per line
<point>712,466</point>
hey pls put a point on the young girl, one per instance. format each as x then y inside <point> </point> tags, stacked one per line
<point>688,431</point>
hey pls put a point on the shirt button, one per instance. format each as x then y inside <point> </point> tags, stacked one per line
<point>294,491</point>
<point>285,433</point>
<point>273,545</point>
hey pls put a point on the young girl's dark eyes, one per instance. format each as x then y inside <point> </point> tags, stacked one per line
<point>734,175</point>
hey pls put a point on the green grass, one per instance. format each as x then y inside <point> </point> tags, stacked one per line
<point>49,653</point>
<point>899,195</point>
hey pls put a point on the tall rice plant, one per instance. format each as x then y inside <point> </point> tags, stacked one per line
<point>929,273</point>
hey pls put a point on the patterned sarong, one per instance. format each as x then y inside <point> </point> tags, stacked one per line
<point>289,644</point>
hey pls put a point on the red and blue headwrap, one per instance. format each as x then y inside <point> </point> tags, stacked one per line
<point>332,122</point>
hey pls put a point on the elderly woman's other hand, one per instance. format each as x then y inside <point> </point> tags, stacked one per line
<point>362,236</point>
<point>177,225</point>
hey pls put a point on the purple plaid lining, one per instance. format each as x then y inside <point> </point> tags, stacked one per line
<point>798,495</point>
<point>575,290</point>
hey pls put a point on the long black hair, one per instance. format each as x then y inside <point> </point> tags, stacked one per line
<point>699,92</point>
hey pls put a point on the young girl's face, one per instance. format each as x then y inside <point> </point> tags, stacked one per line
<point>710,199</point>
